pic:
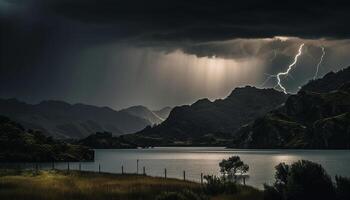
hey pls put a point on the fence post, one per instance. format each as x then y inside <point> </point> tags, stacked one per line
<point>68,166</point>
<point>144,171</point>
<point>99,168</point>
<point>202,178</point>
<point>137,166</point>
<point>122,169</point>
<point>53,165</point>
<point>79,166</point>
<point>165,173</point>
<point>184,175</point>
<point>36,167</point>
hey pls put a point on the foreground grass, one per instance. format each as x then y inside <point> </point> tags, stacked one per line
<point>59,185</point>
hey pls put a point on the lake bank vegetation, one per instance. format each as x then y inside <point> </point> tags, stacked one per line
<point>90,185</point>
<point>20,145</point>
<point>302,180</point>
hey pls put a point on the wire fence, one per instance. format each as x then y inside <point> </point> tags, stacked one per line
<point>81,166</point>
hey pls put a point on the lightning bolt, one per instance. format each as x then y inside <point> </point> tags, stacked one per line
<point>320,62</point>
<point>278,76</point>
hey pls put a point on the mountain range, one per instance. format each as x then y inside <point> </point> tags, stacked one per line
<point>211,122</point>
<point>318,117</point>
<point>66,121</point>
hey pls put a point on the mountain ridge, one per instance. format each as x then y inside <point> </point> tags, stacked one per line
<point>63,120</point>
<point>207,119</point>
<point>145,113</point>
<point>317,117</point>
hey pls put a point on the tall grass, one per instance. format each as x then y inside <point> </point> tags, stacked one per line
<point>85,185</point>
<point>61,185</point>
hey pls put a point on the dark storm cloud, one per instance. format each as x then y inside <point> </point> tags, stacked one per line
<point>204,20</point>
<point>169,24</point>
<point>208,20</point>
<point>57,48</point>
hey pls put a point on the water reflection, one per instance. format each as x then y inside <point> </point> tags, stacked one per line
<point>205,160</point>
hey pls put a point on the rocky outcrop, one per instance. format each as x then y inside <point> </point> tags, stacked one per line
<point>307,120</point>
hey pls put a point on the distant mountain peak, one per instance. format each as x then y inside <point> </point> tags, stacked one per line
<point>204,101</point>
<point>221,117</point>
<point>55,103</point>
<point>247,90</point>
<point>316,117</point>
<point>63,120</point>
<point>164,112</point>
<point>144,113</point>
<point>331,81</point>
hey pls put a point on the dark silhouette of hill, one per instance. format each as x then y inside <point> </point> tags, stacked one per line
<point>317,117</point>
<point>331,81</point>
<point>62,120</point>
<point>205,121</point>
<point>106,140</point>
<point>20,145</point>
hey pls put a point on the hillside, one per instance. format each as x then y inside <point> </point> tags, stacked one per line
<point>144,113</point>
<point>331,81</point>
<point>163,113</point>
<point>206,122</point>
<point>62,120</point>
<point>317,117</point>
<point>105,140</point>
<point>20,145</point>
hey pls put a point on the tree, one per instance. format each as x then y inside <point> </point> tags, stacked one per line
<point>343,188</point>
<point>281,176</point>
<point>303,180</point>
<point>308,180</point>
<point>232,167</point>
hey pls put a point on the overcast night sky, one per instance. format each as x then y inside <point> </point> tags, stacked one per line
<point>163,53</point>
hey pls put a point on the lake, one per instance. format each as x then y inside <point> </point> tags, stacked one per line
<point>197,160</point>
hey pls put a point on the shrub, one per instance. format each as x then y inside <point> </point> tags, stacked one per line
<point>302,180</point>
<point>216,185</point>
<point>343,188</point>
<point>308,180</point>
<point>271,193</point>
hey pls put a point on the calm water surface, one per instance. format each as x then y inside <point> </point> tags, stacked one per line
<point>195,160</point>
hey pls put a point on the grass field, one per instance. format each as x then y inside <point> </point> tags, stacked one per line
<point>60,185</point>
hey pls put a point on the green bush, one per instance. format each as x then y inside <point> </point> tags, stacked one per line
<point>343,188</point>
<point>303,180</point>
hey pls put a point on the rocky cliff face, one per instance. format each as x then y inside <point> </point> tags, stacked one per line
<point>307,120</point>
<point>330,82</point>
